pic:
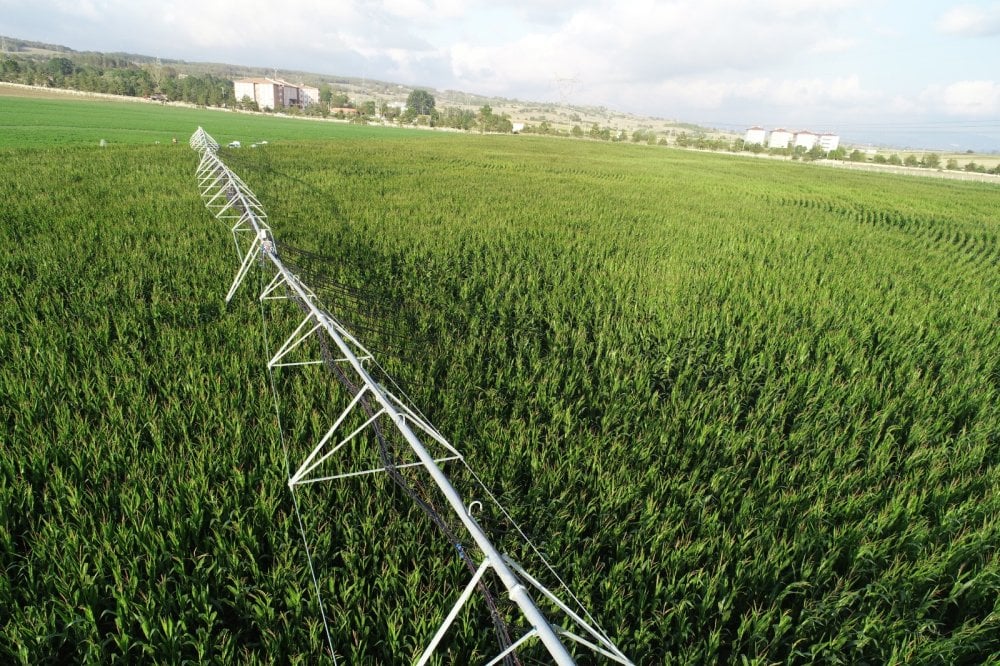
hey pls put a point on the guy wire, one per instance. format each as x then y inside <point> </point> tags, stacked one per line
<point>288,467</point>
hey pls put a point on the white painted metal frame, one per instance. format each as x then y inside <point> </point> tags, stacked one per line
<point>229,199</point>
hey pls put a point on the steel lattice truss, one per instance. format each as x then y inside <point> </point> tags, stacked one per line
<point>402,432</point>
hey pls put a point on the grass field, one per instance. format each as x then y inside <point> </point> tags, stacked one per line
<point>48,121</point>
<point>749,409</point>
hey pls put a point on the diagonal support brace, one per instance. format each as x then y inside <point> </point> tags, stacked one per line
<point>466,593</point>
<point>247,262</point>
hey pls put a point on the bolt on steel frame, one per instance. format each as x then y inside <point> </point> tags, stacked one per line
<point>229,199</point>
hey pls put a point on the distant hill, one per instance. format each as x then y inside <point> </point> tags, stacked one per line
<point>15,45</point>
<point>942,141</point>
<point>561,117</point>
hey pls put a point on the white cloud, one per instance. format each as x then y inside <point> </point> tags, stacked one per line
<point>224,23</point>
<point>603,43</point>
<point>647,50</point>
<point>768,61</point>
<point>839,91</point>
<point>832,45</point>
<point>709,94</point>
<point>967,99</point>
<point>86,9</point>
<point>971,21</point>
<point>424,11</point>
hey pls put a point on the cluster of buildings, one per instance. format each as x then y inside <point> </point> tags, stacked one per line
<point>275,94</point>
<point>782,138</point>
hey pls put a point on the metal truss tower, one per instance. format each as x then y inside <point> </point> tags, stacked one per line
<point>229,199</point>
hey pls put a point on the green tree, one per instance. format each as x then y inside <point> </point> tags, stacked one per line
<point>60,67</point>
<point>319,109</point>
<point>816,152</point>
<point>952,164</point>
<point>390,112</point>
<point>599,133</point>
<point>502,123</point>
<point>9,68</point>
<point>577,131</point>
<point>911,160</point>
<point>895,160</point>
<point>164,74</point>
<point>856,156</point>
<point>420,103</point>
<point>171,88</point>
<point>932,161</point>
<point>491,122</point>
<point>485,117</point>
<point>457,118</point>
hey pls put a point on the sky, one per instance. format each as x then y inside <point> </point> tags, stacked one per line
<point>924,73</point>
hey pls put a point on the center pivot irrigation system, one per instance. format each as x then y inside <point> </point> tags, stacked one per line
<point>403,437</point>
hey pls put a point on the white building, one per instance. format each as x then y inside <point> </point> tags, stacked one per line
<point>805,139</point>
<point>308,95</point>
<point>298,94</point>
<point>780,138</point>
<point>267,93</point>
<point>755,135</point>
<point>275,94</point>
<point>244,88</point>
<point>829,141</point>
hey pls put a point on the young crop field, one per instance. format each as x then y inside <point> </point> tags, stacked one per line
<point>48,121</point>
<point>749,410</point>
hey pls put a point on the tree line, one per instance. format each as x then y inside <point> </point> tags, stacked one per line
<point>110,74</point>
<point>114,76</point>
<point>421,109</point>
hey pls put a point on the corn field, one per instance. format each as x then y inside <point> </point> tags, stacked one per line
<point>749,411</point>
